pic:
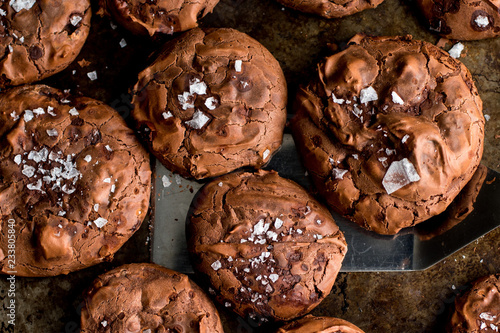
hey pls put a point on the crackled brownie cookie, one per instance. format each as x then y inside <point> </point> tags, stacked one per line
<point>463,19</point>
<point>478,310</point>
<point>311,324</point>
<point>40,37</point>
<point>158,16</point>
<point>268,249</point>
<point>147,298</point>
<point>74,181</point>
<point>212,102</point>
<point>391,129</point>
<point>331,8</point>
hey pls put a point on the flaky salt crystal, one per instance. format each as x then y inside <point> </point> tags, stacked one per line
<point>166,181</point>
<point>52,132</point>
<point>100,222</point>
<point>211,103</point>
<point>456,50</point>
<point>338,173</point>
<point>278,223</point>
<point>482,21</point>
<point>260,228</point>
<point>74,112</point>
<point>167,115</point>
<point>367,95</point>
<point>396,98</point>
<point>197,87</point>
<point>237,65</point>
<point>216,265</point>
<point>17,159</point>
<point>337,100</point>
<point>399,174</point>
<point>198,121</point>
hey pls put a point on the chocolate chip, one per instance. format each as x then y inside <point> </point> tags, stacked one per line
<point>77,121</point>
<point>35,52</point>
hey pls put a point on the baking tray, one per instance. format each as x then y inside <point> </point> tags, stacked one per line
<point>413,249</point>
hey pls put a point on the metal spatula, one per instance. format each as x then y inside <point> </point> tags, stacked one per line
<point>415,249</point>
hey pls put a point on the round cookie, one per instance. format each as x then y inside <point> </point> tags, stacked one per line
<point>390,129</point>
<point>331,8</point>
<point>463,19</point>
<point>74,181</point>
<point>40,37</point>
<point>311,324</point>
<point>266,247</point>
<point>160,16</point>
<point>212,102</point>
<point>478,310</point>
<point>147,298</point>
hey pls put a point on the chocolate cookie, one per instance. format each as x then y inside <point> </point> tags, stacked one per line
<point>331,8</point>
<point>478,310</point>
<point>268,249</point>
<point>158,16</point>
<point>463,19</point>
<point>311,324</point>
<point>40,37</point>
<point>147,298</point>
<point>74,182</point>
<point>212,102</point>
<point>390,129</point>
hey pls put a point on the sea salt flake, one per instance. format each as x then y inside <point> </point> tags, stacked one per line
<point>61,213</point>
<point>487,117</point>
<point>483,326</point>
<point>96,207</point>
<point>220,184</point>
<point>14,115</point>
<point>74,112</point>
<point>396,98</point>
<point>123,43</point>
<point>278,223</point>
<point>198,121</point>
<point>357,111</point>
<point>482,21</point>
<point>167,115</point>
<point>337,100</point>
<point>107,180</point>
<point>355,156</point>
<point>197,87</point>
<point>184,100</point>
<point>211,103</point>
<point>166,181</point>
<point>17,159</point>
<point>260,228</point>
<point>405,138</point>
<point>28,171</point>
<point>265,155</point>
<point>456,50</point>
<point>338,173</point>
<point>274,277</point>
<point>35,186</point>
<point>227,305</point>
<point>237,66</point>
<point>113,188</point>
<point>178,179</point>
<point>367,95</point>
<point>75,19</point>
<point>3,12</point>
<point>487,316</point>
<point>28,115</point>
<point>39,111</point>
<point>92,75</point>
<point>19,5</point>
<point>494,327</point>
<point>88,158</point>
<point>272,235</point>
<point>100,222</point>
<point>216,265</point>
<point>104,323</point>
<point>399,174</point>
<point>52,132</point>
<point>108,148</point>
<point>38,156</point>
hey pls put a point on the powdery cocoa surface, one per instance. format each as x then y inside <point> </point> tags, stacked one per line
<point>391,130</point>
<point>142,297</point>
<point>73,178</point>
<point>213,101</point>
<point>266,247</point>
<point>40,38</point>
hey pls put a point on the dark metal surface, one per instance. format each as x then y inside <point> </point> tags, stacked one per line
<point>409,250</point>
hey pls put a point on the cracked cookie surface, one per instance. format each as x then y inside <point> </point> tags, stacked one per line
<point>331,8</point>
<point>147,298</point>
<point>311,324</point>
<point>40,38</point>
<point>478,310</point>
<point>268,249</point>
<point>463,19</point>
<point>152,17</point>
<point>391,129</point>
<point>74,181</point>
<point>212,102</point>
